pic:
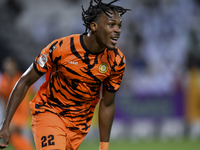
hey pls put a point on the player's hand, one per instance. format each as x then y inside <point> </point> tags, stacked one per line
<point>4,134</point>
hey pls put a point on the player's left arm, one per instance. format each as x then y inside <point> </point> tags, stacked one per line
<point>107,104</point>
<point>106,116</point>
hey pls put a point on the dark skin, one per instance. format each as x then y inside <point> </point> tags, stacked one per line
<point>103,34</point>
<point>102,31</point>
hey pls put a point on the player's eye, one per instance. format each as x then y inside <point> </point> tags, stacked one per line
<point>111,24</point>
<point>120,25</point>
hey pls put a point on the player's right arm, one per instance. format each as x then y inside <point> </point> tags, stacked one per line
<point>17,95</point>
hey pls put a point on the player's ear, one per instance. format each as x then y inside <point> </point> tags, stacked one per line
<point>93,26</point>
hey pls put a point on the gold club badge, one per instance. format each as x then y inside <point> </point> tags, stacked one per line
<point>103,68</point>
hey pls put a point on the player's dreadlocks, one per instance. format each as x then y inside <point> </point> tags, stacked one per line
<point>93,11</point>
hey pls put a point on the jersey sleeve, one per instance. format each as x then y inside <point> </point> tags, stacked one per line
<point>112,83</point>
<point>48,57</point>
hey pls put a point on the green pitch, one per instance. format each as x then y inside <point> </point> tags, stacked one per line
<point>155,145</point>
<point>128,145</point>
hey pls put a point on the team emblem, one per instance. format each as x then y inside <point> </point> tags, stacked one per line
<point>103,68</point>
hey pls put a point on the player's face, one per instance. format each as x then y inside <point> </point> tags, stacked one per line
<point>108,30</point>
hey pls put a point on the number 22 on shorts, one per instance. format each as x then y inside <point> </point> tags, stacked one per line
<point>47,140</point>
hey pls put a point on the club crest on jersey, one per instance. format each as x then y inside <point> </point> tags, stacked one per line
<point>103,68</point>
<point>42,60</point>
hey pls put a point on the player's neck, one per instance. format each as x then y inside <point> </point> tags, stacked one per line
<point>91,43</point>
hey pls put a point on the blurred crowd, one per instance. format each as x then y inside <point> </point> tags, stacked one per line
<point>160,39</point>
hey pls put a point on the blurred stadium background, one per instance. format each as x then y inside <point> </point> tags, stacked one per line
<point>158,104</point>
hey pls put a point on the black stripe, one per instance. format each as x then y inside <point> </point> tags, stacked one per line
<point>122,61</point>
<point>61,42</point>
<point>73,50</point>
<point>71,71</point>
<point>57,59</point>
<point>51,48</point>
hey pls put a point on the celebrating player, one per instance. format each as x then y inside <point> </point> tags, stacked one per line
<point>76,68</point>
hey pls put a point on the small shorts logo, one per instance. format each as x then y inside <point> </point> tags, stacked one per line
<point>42,60</point>
<point>103,68</point>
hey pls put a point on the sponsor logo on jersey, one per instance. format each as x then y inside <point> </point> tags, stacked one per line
<point>73,62</point>
<point>103,68</point>
<point>42,60</point>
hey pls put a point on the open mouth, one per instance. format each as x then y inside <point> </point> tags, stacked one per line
<point>114,40</point>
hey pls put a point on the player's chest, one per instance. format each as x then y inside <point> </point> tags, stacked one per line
<point>86,67</point>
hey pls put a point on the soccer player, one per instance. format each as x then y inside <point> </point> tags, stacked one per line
<point>76,68</point>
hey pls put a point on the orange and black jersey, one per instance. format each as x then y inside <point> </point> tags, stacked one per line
<point>74,77</point>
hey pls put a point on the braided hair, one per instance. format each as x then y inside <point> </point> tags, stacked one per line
<point>93,11</point>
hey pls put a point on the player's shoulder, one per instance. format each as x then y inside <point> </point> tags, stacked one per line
<point>67,39</point>
<point>63,41</point>
<point>118,51</point>
<point>119,57</point>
